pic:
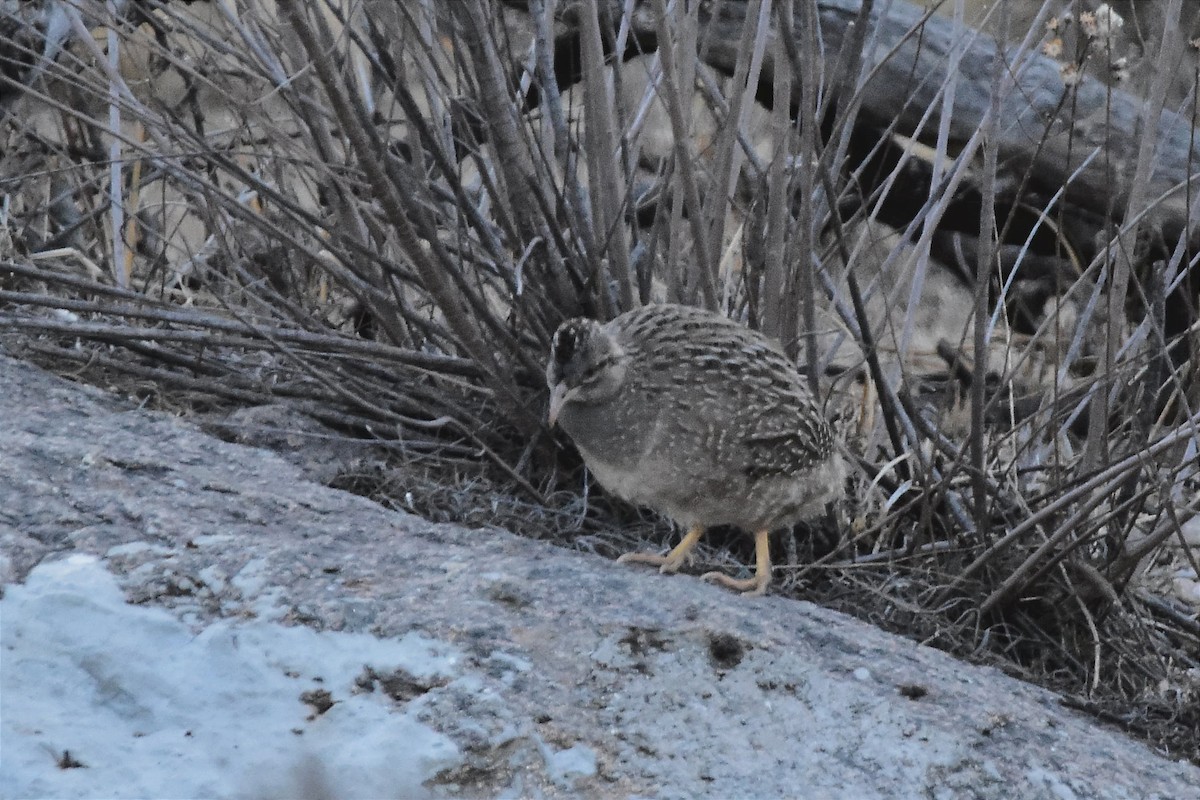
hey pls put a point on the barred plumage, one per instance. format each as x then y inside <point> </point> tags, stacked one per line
<point>694,415</point>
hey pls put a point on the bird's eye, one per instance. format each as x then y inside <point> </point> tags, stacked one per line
<point>564,345</point>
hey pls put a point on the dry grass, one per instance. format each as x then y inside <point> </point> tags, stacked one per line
<point>377,212</point>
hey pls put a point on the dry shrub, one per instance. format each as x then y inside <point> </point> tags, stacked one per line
<point>378,212</point>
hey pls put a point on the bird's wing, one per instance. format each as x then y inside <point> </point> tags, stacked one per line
<point>787,439</point>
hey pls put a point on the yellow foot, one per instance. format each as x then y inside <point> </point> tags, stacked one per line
<point>665,563</point>
<point>762,570</point>
<point>673,560</point>
<point>754,587</point>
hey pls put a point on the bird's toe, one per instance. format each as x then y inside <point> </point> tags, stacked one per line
<point>642,558</point>
<point>752,587</point>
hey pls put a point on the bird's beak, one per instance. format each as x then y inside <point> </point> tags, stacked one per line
<point>557,395</point>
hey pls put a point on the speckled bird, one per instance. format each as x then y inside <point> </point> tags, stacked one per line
<point>699,418</point>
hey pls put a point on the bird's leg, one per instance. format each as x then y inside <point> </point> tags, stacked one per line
<point>673,560</point>
<point>762,569</point>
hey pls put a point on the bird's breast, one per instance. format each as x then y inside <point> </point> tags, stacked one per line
<point>625,481</point>
<point>618,448</point>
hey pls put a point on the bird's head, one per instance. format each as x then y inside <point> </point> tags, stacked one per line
<point>587,365</point>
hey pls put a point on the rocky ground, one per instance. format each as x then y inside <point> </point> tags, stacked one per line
<point>570,675</point>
